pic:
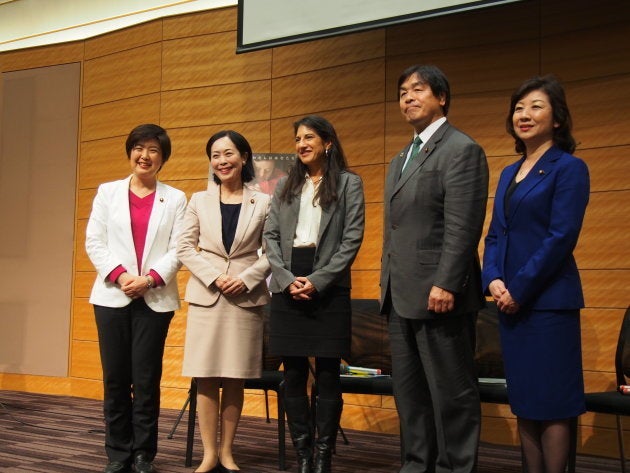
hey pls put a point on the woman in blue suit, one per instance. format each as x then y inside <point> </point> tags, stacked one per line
<point>530,271</point>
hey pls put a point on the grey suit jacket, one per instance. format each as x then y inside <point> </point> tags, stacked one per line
<point>340,236</point>
<point>201,248</point>
<point>433,218</point>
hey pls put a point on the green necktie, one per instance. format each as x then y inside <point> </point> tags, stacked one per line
<point>415,148</point>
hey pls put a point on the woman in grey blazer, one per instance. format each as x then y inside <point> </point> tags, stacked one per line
<point>313,234</point>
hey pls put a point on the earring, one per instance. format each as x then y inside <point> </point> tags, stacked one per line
<point>327,152</point>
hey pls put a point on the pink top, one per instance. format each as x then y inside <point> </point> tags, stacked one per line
<point>140,212</point>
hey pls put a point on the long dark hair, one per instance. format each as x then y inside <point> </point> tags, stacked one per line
<point>243,147</point>
<point>562,136</point>
<point>334,163</point>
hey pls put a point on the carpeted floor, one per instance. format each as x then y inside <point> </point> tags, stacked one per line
<point>57,434</point>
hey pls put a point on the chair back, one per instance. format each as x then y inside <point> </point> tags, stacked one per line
<point>622,356</point>
<point>488,354</point>
<point>370,337</point>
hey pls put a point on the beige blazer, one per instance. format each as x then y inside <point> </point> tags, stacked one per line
<point>201,250</point>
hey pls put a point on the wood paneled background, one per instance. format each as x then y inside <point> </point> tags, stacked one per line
<point>183,73</point>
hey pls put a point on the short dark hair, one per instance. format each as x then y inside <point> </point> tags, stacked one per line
<point>149,131</point>
<point>562,136</point>
<point>243,147</point>
<point>433,77</point>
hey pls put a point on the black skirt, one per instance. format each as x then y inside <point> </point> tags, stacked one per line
<point>319,327</point>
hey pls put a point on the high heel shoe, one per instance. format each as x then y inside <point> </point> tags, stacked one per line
<point>225,469</point>
<point>216,469</point>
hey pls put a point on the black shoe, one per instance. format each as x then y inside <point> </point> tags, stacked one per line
<point>116,467</point>
<point>141,464</point>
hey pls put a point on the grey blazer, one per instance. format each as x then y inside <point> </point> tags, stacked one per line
<point>340,236</point>
<point>433,218</point>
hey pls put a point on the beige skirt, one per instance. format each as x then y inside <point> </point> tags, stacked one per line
<point>223,341</point>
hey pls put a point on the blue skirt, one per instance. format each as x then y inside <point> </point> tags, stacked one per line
<point>542,354</point>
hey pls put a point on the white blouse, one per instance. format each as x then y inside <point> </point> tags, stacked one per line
<point>307,230</point>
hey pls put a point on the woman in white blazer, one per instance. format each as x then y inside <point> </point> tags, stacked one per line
<point>131,240</point>
<point>220,245</point>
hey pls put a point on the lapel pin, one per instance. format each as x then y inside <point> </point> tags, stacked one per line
<point>541,172</point>
<point>161,199</point>
<point>251,201</point>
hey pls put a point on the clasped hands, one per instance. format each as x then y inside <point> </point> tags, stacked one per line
<point>133,286</point>
<point>230,286</point>
<point>502,297</point>
<point>301,289</point>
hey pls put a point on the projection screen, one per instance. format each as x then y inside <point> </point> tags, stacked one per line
<point>269,23</point>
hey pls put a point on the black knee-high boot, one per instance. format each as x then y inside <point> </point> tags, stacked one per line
<point>327,418</point>
<point>299,420</point>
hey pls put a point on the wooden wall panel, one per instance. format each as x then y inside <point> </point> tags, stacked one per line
<point>195,24</point>
<point>123,40</point>
<point>83,281</point>
<point>128,74</point>
<point>609,167</point>
<point>373,177</point>
<point>585,54</point>
<point>289,97</point>
<point>365,284</point>
<point>597,106</point>
<point>102,161</point>
<point>118,118</point>
<point>83,321</point>
<point>369,256</point>
<point>201,61</point>
<point>233,103</point>
<point>86,360</point>
<point>41,57</point>
<point>604,241</point>
<point>327,53</point>
<point>189,159</point>
<point>84,202</point>
<point>81,260</point>
<point>600,331</point>
<point>177,329</point>
<point>605,287</point>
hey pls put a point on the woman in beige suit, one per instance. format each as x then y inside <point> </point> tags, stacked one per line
<point>220,245</point>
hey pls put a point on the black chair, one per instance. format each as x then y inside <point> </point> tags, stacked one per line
<point>614,402</point>
<point>488,356</point>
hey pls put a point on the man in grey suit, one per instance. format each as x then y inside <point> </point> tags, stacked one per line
<point>435,203</point>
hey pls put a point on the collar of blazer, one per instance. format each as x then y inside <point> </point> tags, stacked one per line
<point>536,175</point>
<point>424,153</point>
<point>328,213</point>
<point>248,206</point>
<point>121,200</point>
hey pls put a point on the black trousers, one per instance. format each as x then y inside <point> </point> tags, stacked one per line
<point>131,342</point>
<point>436,394</point>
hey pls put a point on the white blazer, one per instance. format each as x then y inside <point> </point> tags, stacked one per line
<point>109,243</point>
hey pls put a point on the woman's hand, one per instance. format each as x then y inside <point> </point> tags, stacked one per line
<point>133,286</point>
<point>497,289</point>
<point>506,304</point>
<point>301,289</point>
<point>230,286</point>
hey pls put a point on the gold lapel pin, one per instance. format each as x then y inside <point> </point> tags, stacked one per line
<point>161,199</point>
<point>541,172</point>
<point>251,201</point>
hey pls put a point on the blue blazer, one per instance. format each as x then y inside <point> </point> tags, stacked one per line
<point>531,249</point>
